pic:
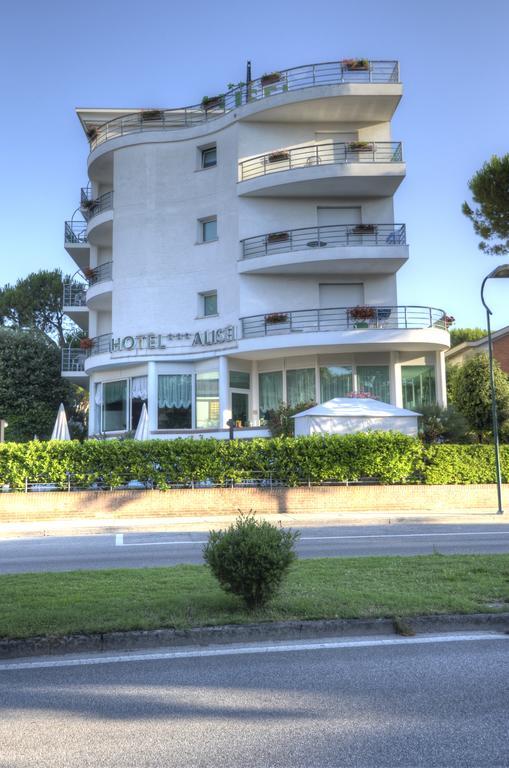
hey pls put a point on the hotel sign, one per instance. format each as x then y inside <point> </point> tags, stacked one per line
<point>154,341</point>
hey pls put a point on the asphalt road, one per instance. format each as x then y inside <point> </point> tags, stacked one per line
<point>142,550</point>
<point>416,702</point>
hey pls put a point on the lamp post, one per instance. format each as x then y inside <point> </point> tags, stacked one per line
<point>501,271</point>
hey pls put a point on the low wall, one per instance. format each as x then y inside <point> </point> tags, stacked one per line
<point>19,507</point>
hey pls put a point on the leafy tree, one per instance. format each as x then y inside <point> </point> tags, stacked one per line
<point>472,394</point>
<point>31,386</point>
<point>490,217</point>
<point>35,301</point>
<point>459,335</point>
<point>442,425</point>
<point>279,420</point>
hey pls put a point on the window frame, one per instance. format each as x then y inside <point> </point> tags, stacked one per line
<point>203,152</point>
<point>201,229</point>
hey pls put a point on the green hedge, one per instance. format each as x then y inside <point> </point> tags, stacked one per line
<point>386,457</point>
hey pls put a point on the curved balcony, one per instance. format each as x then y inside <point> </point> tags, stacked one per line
<point>98,214</point>
<point>100,286</point>
<point>355,72</point>
<point>343,248</point>
<point>352,169</point>
<point>74,302</point>
<point>76,242</point>
<point>73,365</point>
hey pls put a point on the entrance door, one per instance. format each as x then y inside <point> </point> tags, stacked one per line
<point>240,408</point>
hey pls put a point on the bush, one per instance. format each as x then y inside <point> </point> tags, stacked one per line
<point>251,558</point>
<point>438,424</point>
<point>280,421</point>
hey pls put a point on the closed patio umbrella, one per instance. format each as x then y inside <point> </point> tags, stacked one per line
<point>142,432</point>
<point>61,430</point>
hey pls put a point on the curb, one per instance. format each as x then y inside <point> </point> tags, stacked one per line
<point>240,633</point>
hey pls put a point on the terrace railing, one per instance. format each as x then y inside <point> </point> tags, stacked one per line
<point>74,295</point>
<point>321,154</point>
<point>315,238</point>
<point>297,78</point>
<point>90,207</point>
<point>100,273</point>
<point>343,319</point>
<point>73,359</point>
<point>75,232</point>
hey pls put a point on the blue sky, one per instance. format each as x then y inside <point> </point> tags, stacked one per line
<point>454,60</point>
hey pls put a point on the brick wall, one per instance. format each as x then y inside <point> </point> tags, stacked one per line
<point>17,507</point>
<point>501,351</point>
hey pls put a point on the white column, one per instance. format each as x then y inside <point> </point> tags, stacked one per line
<point>224,392</point>
<point>91,406</point>
<point>152,395</point>
<point>255,395</point>
<point>395,380</point>
<point>441,385</point>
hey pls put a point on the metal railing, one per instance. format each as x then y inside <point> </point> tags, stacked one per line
<point>342,319</point>
<point>297,78</point>
<point>74,295</point>
<point>90,207</point>
<point>75,232</point>
<point>101,344</point>
<point>332,153</point>
<point>314,238</point>
<point>73,359</point>
<point>100,273</point>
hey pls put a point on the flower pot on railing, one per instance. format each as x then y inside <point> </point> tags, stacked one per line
<point>360,146</point>
<point>270,78</point>
<point>364,229</point>
<point>355,65</point>
<point>91,133</point>
<point>360,316</point>
<point>278,157</point>
<point>151,114</point>
<point>278,237</point>
<point>87,204</point>
<point>86,343</point>
<point>90,273</point>
<point>274,318</point>
<point>448,320</point>
<point>213,102</point>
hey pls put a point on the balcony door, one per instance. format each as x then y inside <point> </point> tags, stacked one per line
<point>348,218</point>
<point>334,299</point>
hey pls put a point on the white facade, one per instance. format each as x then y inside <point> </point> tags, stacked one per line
<point>226,246</point>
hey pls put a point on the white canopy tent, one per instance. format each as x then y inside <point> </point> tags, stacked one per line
<point>345,415</point>
<point>60,430</point>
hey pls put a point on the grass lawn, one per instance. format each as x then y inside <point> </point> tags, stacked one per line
<point>187,596</point>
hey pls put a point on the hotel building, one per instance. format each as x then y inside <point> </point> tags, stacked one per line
<point>243,252</point>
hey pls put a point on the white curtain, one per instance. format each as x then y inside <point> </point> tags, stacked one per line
<point>139,387</point>
<point>175,391</point>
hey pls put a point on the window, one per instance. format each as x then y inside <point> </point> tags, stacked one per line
<point>335,381</point>
<point>300,386</point>
<point>115,406</point>
<point>374,380</point>
<point>208,304</point>
<point>139,397</point>
<point>209,157</point>
<point>271,392</point>
<point>174,409</point>
<point>239,380</point>
<point>208,229</point>
<point>418,386</point>
<point>207,400</point>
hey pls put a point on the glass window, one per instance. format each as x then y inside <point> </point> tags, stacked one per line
<point>209,230</point>
<point>271,392</point>
<point>300,386</point>
<point>418,386</point>
<point>174,409</point>
<point>139,397</point>
<point>209,157</point>
<point>335,381</point>
<point>374,380</point>
<point>240,380</point>
<point>207,400</point>
<point>209,303</point>
<point>115,406</point>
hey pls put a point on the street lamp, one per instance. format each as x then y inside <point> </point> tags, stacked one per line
<point>501,271</point>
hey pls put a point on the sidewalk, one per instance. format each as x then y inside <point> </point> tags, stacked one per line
<point>88,526</point>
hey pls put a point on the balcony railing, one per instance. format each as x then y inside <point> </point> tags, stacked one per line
<point>332,153</point>
<point>90,207</point>
<point>101,344</point>
<point>73,359</point>
<point>297,78</point>
<point>75,232</point>
<point>100,273</point>
<point>315,238</point>
<point>74,295</point>
<point>343,319</point>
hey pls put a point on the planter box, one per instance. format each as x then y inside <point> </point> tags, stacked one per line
<point>278,157</point>
<point>360,146</point>
<point>278,237</point>
<point>356,65</point>
<point>213,103</point>
<point>276,317</point>
<point>364,229</point>
<point>273,77</point>
<point>152,114</point>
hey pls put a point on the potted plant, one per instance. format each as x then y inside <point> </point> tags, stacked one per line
<point>151,114</point>
<point>278,157</point>
<point>269,78</point>
<point>361,316</point>
<point>364,229</point>
<point>92,133</point>
<point>355,65</point>
<point>213,102</point>
<point>89,273</point>
<point>86,343</point>
<point>276,317</point>
<point>238,89</point>
<point>278,237</point>
<point>360,146</point>
<point>448,320</point>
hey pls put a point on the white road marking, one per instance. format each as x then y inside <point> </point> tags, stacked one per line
<point>248,649</point>
<point>119,540</point>
<point>326,538</point>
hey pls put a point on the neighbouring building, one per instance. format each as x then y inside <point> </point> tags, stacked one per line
<point>461,352</point>
<point>243,252</point>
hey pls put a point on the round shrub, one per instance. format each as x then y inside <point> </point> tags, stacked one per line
<point>251,558</point>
